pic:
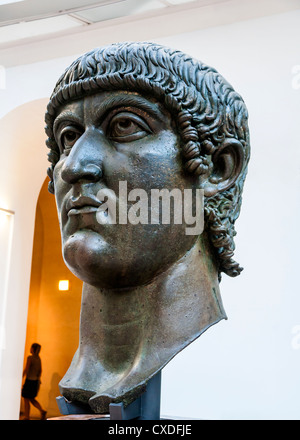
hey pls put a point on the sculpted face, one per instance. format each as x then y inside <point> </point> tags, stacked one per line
<point>104,139</point>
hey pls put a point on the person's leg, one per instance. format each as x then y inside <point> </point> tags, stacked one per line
<point>26,408</point>
<point>35,403</point>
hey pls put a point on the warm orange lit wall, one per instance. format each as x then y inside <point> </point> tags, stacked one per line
<point>53,316</point>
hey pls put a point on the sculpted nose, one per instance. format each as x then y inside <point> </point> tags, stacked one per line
<point>81,172</point>
<point>84,162</point>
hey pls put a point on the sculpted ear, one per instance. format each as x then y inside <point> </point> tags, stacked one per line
<point>227,165</point>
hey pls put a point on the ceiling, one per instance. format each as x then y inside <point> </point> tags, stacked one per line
<point>21,19</point>
<point>32,30</point>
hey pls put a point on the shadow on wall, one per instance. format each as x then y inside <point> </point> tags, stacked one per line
<point>53,393</point>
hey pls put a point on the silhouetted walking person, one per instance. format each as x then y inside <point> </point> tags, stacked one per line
<point>32,372</point>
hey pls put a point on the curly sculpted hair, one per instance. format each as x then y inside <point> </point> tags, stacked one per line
<point>204,105</point>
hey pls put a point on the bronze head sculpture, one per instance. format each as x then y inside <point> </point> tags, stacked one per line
<point>154,118</point>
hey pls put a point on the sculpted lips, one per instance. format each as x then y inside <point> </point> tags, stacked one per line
<point>82,205</point>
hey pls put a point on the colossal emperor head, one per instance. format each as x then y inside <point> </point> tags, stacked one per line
<point>138,117</point>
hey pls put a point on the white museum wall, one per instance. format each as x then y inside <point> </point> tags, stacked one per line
<point>248,366</point>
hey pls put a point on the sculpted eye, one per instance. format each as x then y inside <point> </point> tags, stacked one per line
<point>68,137</point>
<point>127,127</point>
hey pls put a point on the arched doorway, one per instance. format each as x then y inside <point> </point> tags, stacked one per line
<point>53,315</point>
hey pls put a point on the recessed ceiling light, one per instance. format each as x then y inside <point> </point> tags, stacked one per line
<point>7,2</point>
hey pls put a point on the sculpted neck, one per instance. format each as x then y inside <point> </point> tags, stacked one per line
<point>118,324</point>
<point>112,324</point>
<point>128,335</point>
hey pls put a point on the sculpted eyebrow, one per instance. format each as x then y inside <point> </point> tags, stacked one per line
<point>109,104</point>
<point>134,101</point>
<point>66,116</point>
